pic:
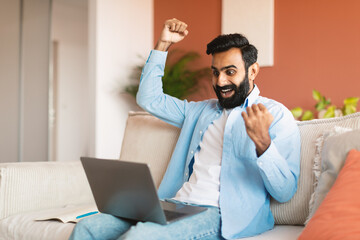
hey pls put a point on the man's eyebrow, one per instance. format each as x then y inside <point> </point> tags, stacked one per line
<point>224,68</point>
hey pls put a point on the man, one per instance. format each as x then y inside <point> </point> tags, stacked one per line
<point>232,154</point>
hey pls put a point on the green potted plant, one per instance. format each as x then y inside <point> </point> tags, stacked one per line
<point>178,80</point>
<point>324,108</point>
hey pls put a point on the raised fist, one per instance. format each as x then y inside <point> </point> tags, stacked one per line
<point>257,122</point>
<point>174,31</point>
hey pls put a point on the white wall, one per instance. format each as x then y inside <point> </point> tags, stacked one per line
<point>70,31</point>
<point>9,80</point>
<point>120,30</point>
<point>254,19</point>
<point>24,72</point>
<point>34,80</point>
<point>91,113</point>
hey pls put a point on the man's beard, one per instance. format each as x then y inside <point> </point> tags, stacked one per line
<point>241,93</point>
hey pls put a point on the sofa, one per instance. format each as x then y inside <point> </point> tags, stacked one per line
<point>29,190</point>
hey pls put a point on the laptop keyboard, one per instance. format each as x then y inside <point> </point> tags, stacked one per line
<point>170,215</point>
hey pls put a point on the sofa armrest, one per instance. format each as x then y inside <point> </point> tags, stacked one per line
<point>31,186</point>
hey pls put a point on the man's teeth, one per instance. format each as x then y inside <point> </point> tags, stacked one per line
<point>226,90</point>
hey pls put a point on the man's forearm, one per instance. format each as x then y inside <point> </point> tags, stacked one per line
<point>162,46</point>
<point>279,165</point>
<point>150,95</point>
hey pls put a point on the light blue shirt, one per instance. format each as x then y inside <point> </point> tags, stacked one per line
<point>246,181</point>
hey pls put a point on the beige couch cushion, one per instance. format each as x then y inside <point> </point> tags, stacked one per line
<point>35,186</point>
<point>148,139</point>
<point>279,232</point>
<point>22,226</point>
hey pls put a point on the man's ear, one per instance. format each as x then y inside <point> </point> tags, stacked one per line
<point>253,71</point>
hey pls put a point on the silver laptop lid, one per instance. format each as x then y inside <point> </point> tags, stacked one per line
<point>123,189</point>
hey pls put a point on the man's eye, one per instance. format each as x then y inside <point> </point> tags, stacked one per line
<point>230,72</point>
<point>216,73</point>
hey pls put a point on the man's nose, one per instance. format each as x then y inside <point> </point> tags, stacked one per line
<point>222,80</point>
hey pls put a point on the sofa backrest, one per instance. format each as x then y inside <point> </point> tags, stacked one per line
<point>150,140</point>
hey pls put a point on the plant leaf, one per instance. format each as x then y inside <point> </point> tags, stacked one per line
<point>297,112</point>
<point>316,95</point>
<point>308,115</point>
<point>132,89</point>
<point>351,101</point>
<point>327,101</point>
<point>330,112</point>
<point>349,109</point>
<point>320,106</point>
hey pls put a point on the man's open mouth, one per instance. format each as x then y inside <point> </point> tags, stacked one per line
<point>225,93</point>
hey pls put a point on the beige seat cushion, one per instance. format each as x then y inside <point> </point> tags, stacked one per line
<point>148,139</point>
<point>280,232</point>
<point>23,226</point>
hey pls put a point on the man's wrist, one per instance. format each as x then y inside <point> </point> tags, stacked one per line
<point>262,146</point>
<point>162,46</point>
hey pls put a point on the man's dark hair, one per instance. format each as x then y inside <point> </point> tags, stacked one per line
<point>224,42</point>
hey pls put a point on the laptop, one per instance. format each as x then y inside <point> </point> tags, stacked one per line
<point>126,189</point>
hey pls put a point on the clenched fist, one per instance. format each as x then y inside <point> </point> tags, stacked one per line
<point>174,31</point>
<point>257,122</point>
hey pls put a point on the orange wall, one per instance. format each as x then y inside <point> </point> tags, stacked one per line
<point>317,46</point>
<point>202,16</point>
<point>204,23</point>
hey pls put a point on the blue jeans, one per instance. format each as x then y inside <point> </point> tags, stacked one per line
<point>205,225</point>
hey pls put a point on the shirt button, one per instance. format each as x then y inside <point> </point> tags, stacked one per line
<point>200,132</point>
<point>186,174</point>
<point>260,163</point>
<point>192,152</point>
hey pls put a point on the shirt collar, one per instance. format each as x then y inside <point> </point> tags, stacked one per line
<point>250,100</point>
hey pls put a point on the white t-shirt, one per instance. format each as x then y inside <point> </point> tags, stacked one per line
<point>203,186</point>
